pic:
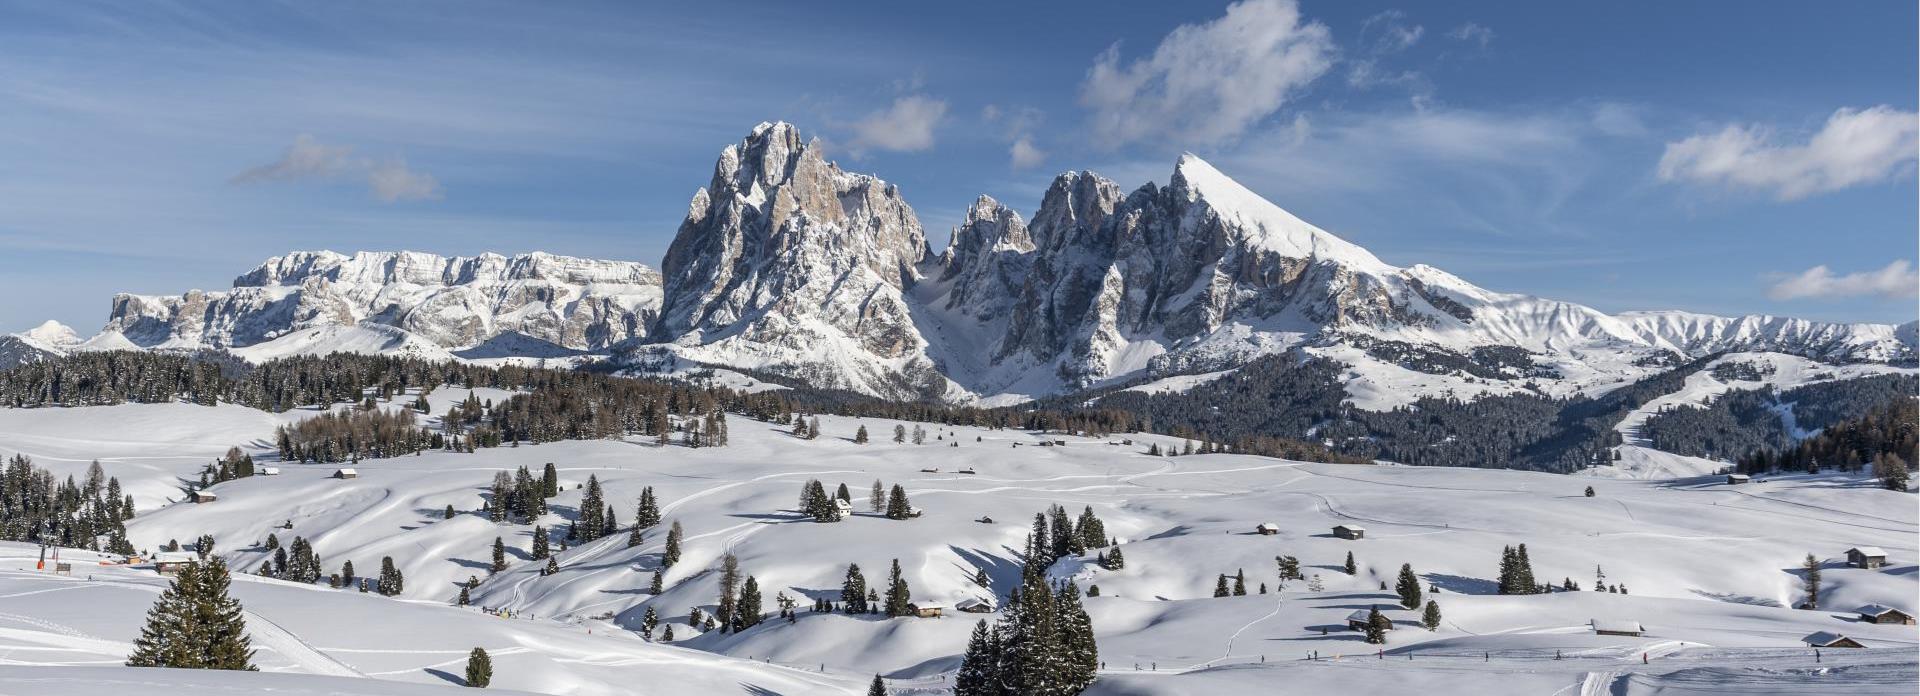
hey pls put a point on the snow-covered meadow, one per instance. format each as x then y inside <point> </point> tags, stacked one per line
<point>1710,569</point>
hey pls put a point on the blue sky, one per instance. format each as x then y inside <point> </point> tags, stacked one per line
<point>1732,158</point>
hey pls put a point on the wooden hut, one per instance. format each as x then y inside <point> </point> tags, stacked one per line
<point>1267,529</point>
<point>1868,557</point>
<point>1616,627</point>
<point>1829,639</point>
<point>1348,531</point>
<point>1883,614</point>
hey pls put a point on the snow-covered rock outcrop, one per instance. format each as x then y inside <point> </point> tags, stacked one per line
<point>454,302</point>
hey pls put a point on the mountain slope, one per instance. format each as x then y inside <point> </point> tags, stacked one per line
<point>789,265</point>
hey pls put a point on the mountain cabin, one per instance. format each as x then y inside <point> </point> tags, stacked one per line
<point>203,496</point>
<point>170,562</point>
<point>1737,479</point>
<point>1868,557</point>
<point>925,611</point>
<point>1267,529</point>
<point>1829,639</point>
<point>1358,620</point>
<point>346,474</point>
<point>1883,614</point>
<point>974,605</point>
<point>1617,627</point>
<point>1347,531</point>
<point>269,471</point>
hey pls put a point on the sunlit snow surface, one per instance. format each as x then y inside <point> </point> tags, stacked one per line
<point>1710,568</point>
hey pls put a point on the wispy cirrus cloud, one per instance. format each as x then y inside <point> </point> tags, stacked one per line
<point>1854,147</point>
<point>389,180</point>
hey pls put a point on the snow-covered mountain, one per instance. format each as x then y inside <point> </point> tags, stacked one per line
<point>788,264</point>
<point>451,302</point>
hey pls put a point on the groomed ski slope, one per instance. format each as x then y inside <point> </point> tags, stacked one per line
<point>1710,568</point>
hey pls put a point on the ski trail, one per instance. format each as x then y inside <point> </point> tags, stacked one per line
<point>268,634</point>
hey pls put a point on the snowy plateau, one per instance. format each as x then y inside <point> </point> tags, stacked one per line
<point>789,273</point>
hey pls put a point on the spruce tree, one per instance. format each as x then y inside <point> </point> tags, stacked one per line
<point>648,622</point>
<point>1351,567</point>
<point>465,597</point>
<point>979,674</point>
<point>479,669</point>
<point>898,595</point>
<point>1431,617</point>
<point>540,550</point>
<point>1075,641</point>
<point>1810,581</point>
<point>729,590</point>
<point>1220,587</point>
<point>853,591</point>
<point>672,553</point>
<point>195,624</point>
<point>747,613</point>
<point>549,481</point>
<point>648,513</point>
<point>1115,560</point>
<point>448,514</point>
<point>499,555</point>
<point>1240,583</point>
<point>657,586</point>
<point>899,433</point>
<point>346,573</point>
<point>897,506</point>
<point>860,436</point>
<point>592,521</point>
<point>1408,587</point>
<point>1377,627</point>
<point>391,582</point>
<point>879,686</point>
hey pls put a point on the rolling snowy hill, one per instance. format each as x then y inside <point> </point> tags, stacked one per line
<point>1710,569</point>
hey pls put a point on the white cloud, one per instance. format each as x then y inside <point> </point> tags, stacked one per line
<point>304,159</point>
<point>1854,147</point>
<point>390,181</point>
<point>1473,33</point>
<point>906,126</point>
<point>1025,154</point>
<point>1395,33</point>
<point>1208,83</point>
<point>1897,281</point>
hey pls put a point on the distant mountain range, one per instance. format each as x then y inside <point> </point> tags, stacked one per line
<point>788,265</point>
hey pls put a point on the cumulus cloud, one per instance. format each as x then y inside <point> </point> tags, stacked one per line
<point>307,158</point>
<point>1854,147</point>
<point>905,126</point>
<point>1025,154</point>
<point>1897,281</point>
<point>1472,33</point>
<point>1208,83</point>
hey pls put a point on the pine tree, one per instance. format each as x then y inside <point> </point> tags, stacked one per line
<point>1377,627</point>
<point>748,613</point>
<point>979,674</point>
<point>879,686</point>
<point>666,636</point>
<point>465,597</point>
<point>672,553</point>
<point>391,581</point>
<point>592,521</point>
<point>1408,587</point>
<point>479,669</point>
<point>657,586</point>
<point>195,624</point>
<point>448,514</point>
<point>898,595</point>
<point>897,506</point>
<point>1075,641</point>
<point>1524,567</point>
<point>549,481</point>
<point>1351,567</point>
<point>1240,583</point>
<point>860,436</point>
<point>540,550</point>
<point>729,590</point>
<point>1810,581</point>
<point>1220,587</point>
<point>648,513</point>
<point>853,591</point>
<point>648,622</point>
<point>499,555</point>
<point>551,568</point>
<point>844,495</point>
<point>1093,532</point>
<point>1431,617</point>
<point>346,573</point>
<point>1115,560</point>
